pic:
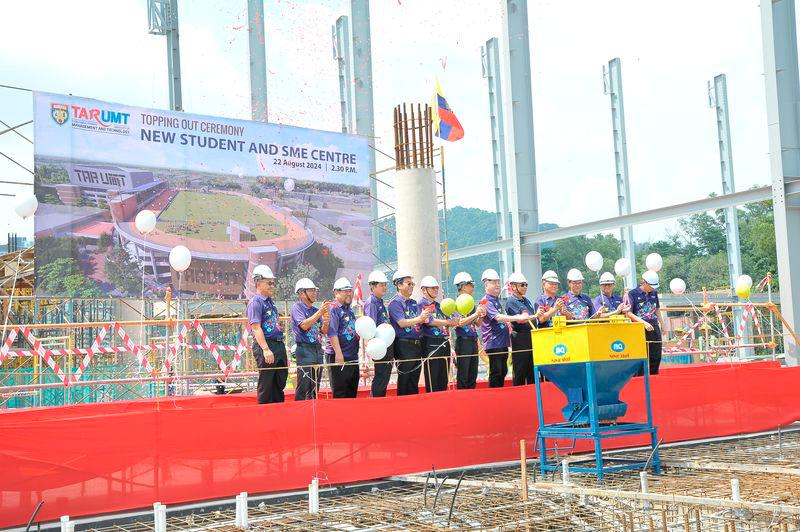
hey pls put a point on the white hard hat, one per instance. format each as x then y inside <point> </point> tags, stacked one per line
<point>651,278</point>
<point>262,271</point>
<point>550,276</point>
<point>574,275</point>
<point>429,282</point>
<point>400,274</point>
<point>517,277</point>
<point>461,278</point>
<point>377,277</point>
<point>489,275</point>
<point>304,284</point>
<point>342,283</point>
<point>608,278</point>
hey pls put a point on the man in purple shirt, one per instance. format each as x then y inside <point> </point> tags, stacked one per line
<point>467,336</point>
<point>343,342</point>
<point>437,337</point>
<point>521,348</point>
<point>494,329</point>
<point>644,305</point>
<point>269,350</point>
<point>548,300</point>
<point>406,317</point>
<point>375,309</point>
<point>579,305</point>
<point>308,326</point>
<point>608,303</point>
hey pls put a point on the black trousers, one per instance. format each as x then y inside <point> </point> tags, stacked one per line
<point>522,358</point>
<point>437,354</point>
<point>653,349</point>
<point>309,375</point>
<point>498,366</point>
<point>344,379</point>
<point>271,377</point>
<point>466,362</point>
<point>383,372</point>
<point>408,354</point>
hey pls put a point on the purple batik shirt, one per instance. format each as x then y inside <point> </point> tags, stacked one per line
<point>343,325</point>
<point>432,331</point>
<point>404,309</point>
<point>375,309</point>
<point>548,303</point>
<point>494,333</point>
<point>262,310</point>
<point>300,313</point>
<point>467,331</point>
<point>580,306</point>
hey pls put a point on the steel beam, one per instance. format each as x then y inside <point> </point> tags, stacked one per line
<point>609,224</point>
<point>728,186</point>
<point>779,34</point>
<point>341,54</point>
<point>362,97</point>
<point>621,163</point>
<point>521,166</point>
<point>490,55</point>
<point>258,60</point>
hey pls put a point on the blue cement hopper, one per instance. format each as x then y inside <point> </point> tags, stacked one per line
<point>590,362</point>
<point>610,376</point>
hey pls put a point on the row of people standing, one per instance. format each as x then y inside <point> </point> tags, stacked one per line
<point>422,330</point>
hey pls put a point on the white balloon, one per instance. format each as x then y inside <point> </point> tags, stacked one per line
<point>594,261</point>
<point>26,205</point>
<point>180,258</point>
<point>746,280</point>
<point>288,185</point>
<point>385,332</point>
<point>677,286</point>
<point>365,327</point>
<point>376,349</point>
<point>622,267</point>
<point>145,221</point>
<point>654,262</point>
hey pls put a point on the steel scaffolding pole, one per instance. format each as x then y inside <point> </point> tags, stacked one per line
<point>341,54</point>
<point>614,90</point>
<point>782,80</point>
<point>490,55</point>
<point>362,97</point>
<point>258,60</point>
<point>720,105</point>
<point>163,20</point>
<point>520,158</point>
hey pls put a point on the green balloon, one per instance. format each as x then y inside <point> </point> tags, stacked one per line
<point>465,303</point>
<point>448,306</point>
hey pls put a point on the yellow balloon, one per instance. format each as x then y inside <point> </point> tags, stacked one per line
<point>742,290</point>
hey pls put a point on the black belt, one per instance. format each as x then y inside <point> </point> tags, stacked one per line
<point>312,344</point>
<point>414,341</point>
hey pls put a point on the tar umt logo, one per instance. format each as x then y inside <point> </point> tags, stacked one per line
<point>59,112</point>
<point>560,350</point>
<point>618,346</point>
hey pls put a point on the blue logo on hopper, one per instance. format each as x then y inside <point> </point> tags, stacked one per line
<point>618,346</point>
<point>560,350</point>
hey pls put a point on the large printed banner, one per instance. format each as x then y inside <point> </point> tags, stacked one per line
<point>236,193</point>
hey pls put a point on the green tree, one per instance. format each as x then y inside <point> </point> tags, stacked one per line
<point>123,271</point>
<point>104,241</point>
<point>64,278</point>
<point>284,284</point>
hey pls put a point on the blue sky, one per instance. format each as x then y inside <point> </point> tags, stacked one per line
<point>102,49</point>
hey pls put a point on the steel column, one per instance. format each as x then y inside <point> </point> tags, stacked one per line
<point>162,18</point>
<point>341,54</point>
<point>362,78</point>
<point>258,60</point>
<point>490,55</point>
<point>779,34</point>
<point>520,158</point>
<point>728,186</point>
<point>621,164</point>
